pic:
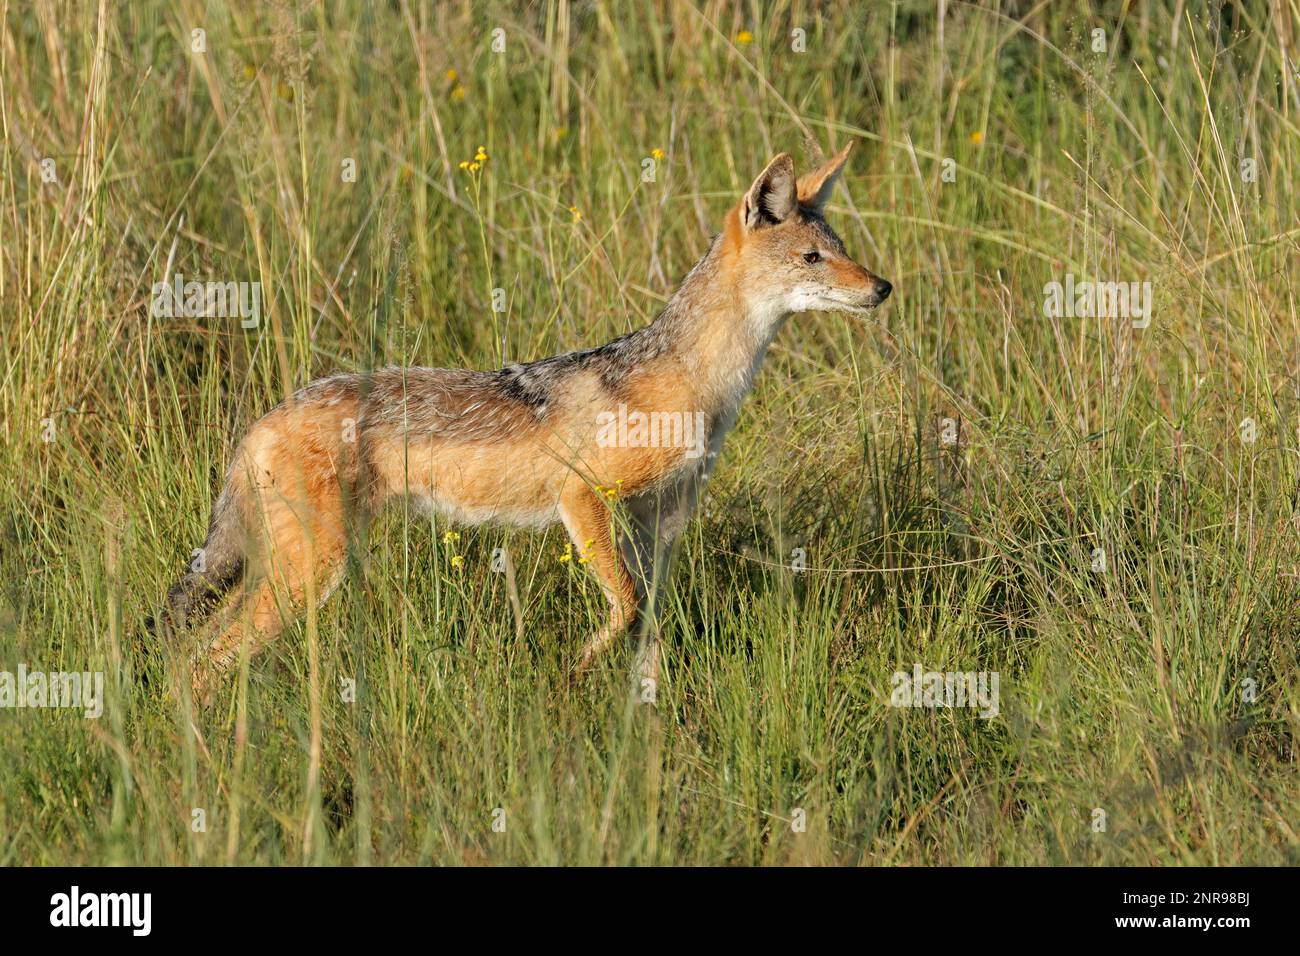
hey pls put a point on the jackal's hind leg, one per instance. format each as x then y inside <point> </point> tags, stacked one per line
<point>304,566</point>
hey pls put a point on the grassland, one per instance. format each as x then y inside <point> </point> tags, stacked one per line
<point>1157,685</point>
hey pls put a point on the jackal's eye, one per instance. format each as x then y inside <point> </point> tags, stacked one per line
<point>812,258</point>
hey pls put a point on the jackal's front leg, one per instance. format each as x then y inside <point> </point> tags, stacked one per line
<point>587,518</point>
<point>655,521</point>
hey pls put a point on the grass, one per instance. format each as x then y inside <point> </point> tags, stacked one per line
<point>1124,691</point>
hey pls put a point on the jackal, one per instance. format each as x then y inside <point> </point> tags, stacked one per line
<point>527,444</point>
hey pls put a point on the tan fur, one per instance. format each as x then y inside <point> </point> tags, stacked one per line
<point>814,187</point>
<point>520,445</point>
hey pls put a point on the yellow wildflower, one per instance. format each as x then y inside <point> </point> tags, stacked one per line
<point>744,38</point>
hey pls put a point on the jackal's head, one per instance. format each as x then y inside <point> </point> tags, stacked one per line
<point>787,259</point>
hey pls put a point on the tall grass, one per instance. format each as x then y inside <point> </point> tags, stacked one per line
<point>1128,731</point>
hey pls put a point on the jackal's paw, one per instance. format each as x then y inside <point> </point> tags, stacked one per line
<point>647,663</point>
<point>597,645</point>
<point>203,687</point>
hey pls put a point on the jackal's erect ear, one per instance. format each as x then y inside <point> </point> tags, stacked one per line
<point>815,187</point>
<point>771,200</point>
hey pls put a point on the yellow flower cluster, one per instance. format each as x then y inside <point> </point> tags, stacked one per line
<point>449,540</point>
<point>477,163</point>
<point>584,556</point>
<point>457,92</point>
<point>610,493</point>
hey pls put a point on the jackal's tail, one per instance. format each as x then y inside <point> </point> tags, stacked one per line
<point>214,570</point>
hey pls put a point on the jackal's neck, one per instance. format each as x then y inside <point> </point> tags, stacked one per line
<point>716,332</point>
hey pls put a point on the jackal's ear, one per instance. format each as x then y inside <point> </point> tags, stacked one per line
<point>815,187</point>
<point>771,200</point>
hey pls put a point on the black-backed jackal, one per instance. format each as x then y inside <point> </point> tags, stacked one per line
<point>527,444</point>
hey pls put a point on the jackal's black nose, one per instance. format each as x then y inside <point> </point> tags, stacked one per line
<point>883,288</point>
